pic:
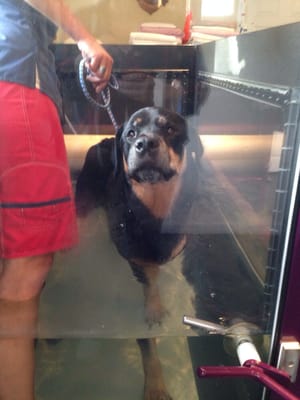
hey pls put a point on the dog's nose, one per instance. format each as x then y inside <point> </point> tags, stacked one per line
<point>146,144</point>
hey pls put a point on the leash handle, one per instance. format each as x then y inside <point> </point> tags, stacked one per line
<point>105,93</point>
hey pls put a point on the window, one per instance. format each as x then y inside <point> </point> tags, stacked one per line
<point>221,12</point>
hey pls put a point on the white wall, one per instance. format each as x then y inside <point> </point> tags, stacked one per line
<point>262,14</point>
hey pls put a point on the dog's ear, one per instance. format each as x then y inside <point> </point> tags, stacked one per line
<point>117,154</point>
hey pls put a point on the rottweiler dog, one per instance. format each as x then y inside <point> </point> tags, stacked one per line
<point>146,178</point>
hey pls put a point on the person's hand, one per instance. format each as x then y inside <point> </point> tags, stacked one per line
<point>98,61</point>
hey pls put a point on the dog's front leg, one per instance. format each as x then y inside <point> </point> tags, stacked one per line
<point>147,274</point>
<point>154,387</point>
<point>154,308</point>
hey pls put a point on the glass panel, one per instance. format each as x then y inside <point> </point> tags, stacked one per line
<point>248,132</point>
<point>223,274</point>
<point>137,88</point>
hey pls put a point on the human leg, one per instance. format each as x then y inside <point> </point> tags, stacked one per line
<point>17,366</point>
<point>22,278</point>
<point>37,218</point>
<point>21,281</point>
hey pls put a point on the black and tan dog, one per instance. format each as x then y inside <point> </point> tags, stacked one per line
<point>146,180</point>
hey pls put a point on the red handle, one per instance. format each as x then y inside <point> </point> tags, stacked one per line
<point>251,369</point>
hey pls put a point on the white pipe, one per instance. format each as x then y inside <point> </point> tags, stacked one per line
<point>247,351</point>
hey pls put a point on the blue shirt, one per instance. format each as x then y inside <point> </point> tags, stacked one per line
<point>25,57</point>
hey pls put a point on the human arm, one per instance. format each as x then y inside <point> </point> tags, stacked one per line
<point>61,15</point>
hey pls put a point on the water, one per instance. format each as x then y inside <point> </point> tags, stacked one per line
<point>92,310</point>
<point>92,292</point>
<point>108,369</point>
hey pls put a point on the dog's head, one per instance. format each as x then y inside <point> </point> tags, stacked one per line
<point>152,144</point>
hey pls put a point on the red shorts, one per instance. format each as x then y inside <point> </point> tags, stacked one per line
<point>37,213</point>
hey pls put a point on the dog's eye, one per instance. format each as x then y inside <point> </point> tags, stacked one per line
<point>131,134</point>
<point>170,130</point>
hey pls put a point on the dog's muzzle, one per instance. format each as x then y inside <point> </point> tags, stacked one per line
<point>148,160</point>
<point>147,145</point>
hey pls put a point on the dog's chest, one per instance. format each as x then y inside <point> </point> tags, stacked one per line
<point>134,230</point>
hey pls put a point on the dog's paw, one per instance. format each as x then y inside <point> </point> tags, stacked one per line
<point>157,394</point>
<point>155,313</point>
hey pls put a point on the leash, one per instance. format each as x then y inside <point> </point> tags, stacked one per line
<point>104,94</point>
